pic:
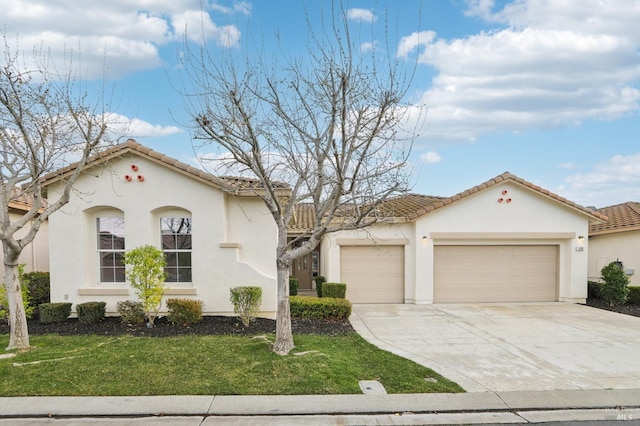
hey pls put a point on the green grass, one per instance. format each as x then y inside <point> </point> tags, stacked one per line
<point>207,365</point>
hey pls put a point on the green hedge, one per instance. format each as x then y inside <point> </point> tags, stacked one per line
<point>54,312</point>
<point>335,290</point>
<point>131,312</point>
<point>39,287</point>
<point>634,295</point>
<point>90,312</point>
<point>293,286</point>
<point>184,311</point>
<point>594,290</point>
<point>326,308</point>
<point>319,279</point>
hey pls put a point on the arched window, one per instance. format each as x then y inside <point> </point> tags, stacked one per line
<point>175,233</point>
<point>111,246</point>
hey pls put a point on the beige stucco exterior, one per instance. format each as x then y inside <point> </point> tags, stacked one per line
<point>527,218</point>
<point>610,247</point>
<point>234,237</point>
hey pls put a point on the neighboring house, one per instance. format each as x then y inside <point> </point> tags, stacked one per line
<point>616,240</point>
<point>505,240</point>
<point>35,256</point>
<point>215,232</point>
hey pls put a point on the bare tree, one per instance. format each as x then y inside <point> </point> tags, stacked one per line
<point>328,125</point>
<point>46,122</point>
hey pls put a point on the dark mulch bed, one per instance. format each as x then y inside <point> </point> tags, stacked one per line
<point>626,309</point>
<point>210,325</point>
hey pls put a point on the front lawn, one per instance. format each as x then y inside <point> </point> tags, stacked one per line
<point>207,365</point>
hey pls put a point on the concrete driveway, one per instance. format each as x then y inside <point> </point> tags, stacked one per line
<point>511,347</point>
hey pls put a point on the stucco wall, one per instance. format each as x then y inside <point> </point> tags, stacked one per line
<point>607,248</point>
<point>528,218</point>
<point>218,261</point>
<point>480,219</point>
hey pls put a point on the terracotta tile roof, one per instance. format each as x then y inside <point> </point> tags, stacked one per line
<point>508,177</point>
<point>19,200</point>
<point>406,206</point>
<point>622,217</point>
<point>303,218</point>
<point>226,183</point>
<point>411,206</point>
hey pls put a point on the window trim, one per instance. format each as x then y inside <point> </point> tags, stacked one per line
<point>100,251</point>
<point>177,250</point>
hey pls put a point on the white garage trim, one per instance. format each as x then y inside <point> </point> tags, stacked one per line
<point>373,273</point>
<point>484,236</point>
<point>495,273</point>
<point>372,241</point>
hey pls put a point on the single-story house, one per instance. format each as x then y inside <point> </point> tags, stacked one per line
<point>215,232</point>
<point>35,256</point>
<point>505,240</point>
<point>616,240</point>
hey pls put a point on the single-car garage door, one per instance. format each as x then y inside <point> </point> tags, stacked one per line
<point>373,274</point>
<point>467,274</point>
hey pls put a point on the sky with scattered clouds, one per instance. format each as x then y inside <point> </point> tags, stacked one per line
<point>546,89</point>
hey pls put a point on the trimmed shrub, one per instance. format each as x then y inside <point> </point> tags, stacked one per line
<point>319,279</point>
<point>634,295</point>
<point>594,290</point>
<point>39,287</point>
<point>90,312</point>
<point>184,311</point>
<point>246,302</point>
<point>54,312</point>
<point>614,291</point>
<point>335,290</point>
<point>326,308</point>
<point>131,312</point>
<point>293,286</point>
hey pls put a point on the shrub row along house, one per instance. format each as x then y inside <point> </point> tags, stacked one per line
<point>505,240</point>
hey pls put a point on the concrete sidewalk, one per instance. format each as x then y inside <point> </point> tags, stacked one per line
<point>476,407</point>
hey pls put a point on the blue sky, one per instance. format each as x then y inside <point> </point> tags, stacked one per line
<point>546,89</point>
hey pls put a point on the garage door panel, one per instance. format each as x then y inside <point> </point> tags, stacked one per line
<point>466,274</point>
<point>373,274</point>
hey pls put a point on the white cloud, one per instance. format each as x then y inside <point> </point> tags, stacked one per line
<point>481,8</point>
<point>430,157</point>
<point>117,35</point>
<point>604,185</point>
<point>199,28</point>
<point>120,125</point>
<point>242,7</point>
<point>363,15</point>
<point>555,64</point>
<point>368,46</point>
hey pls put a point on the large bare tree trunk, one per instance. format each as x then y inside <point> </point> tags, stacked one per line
<point>19,338</point>
<point>284,334</point>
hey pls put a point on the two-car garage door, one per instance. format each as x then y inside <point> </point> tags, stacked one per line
<point>467,274</point>
<point>462,273</point>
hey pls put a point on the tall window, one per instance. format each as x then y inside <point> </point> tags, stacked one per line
<point>176,245</point>
<point>111,249</point>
